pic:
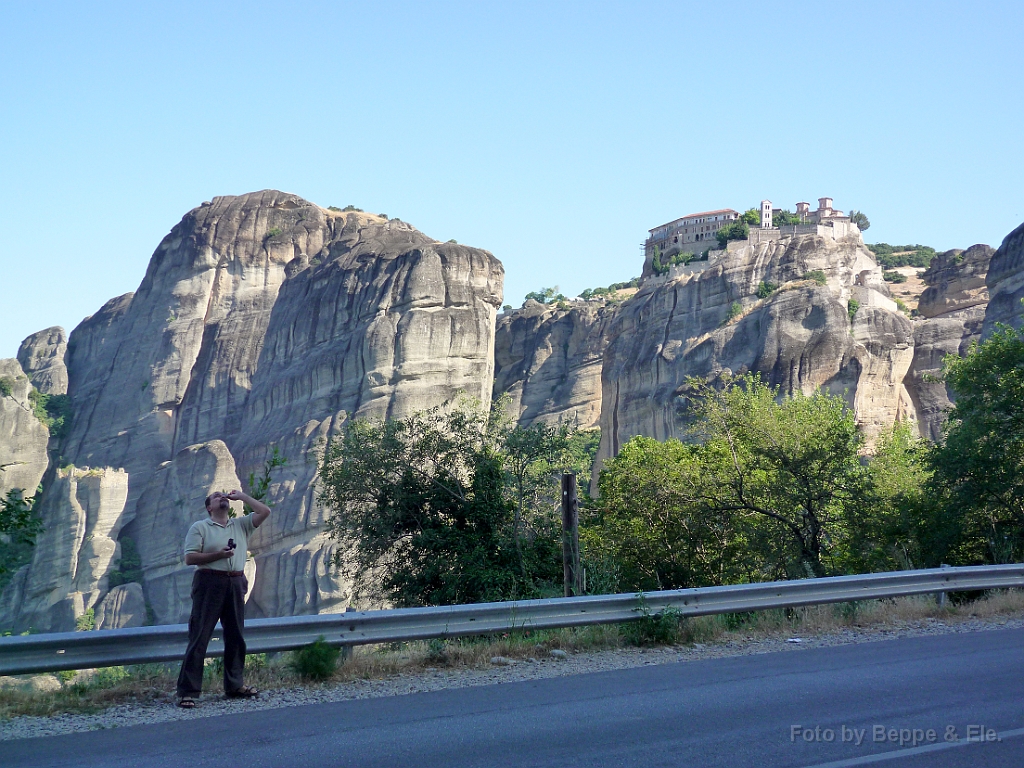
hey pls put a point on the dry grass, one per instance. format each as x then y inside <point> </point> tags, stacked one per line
<point>95,690</point>
<point>910,291</point>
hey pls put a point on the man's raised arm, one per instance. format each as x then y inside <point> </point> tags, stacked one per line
<point>260,511</point>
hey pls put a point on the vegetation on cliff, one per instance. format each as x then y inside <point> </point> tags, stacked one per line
<point>19,524</point>
<point>661,265</point>
<point>892,256</point>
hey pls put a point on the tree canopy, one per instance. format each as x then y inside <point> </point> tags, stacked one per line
<point>736,230</point>
<point>979,465</point>
<point>449,506</point>
<point>860,219</point>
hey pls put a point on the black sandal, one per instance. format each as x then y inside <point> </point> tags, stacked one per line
<point>187,702</point>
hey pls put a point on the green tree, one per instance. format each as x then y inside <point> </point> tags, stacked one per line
<point>896,526</point>
<point>860,219</point>
<point>545,296</point>
<point>784,218</point>
<point>647,522</point>
<point>979,466</point>
<point>793,463</point>
<point>444,507</point>
<point>736,230</point>
<point>751,216</point>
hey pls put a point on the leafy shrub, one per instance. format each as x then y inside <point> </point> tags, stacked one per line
<point>894,277</point>
<point>892,256</point>
<point>766,289</point>
<point>653,628</point>
<point>662,266</point>
<point>437,650</point>
<point>817,276</point>
<point>334,208</point>
<point>316,661</point>
<point>735,310</point>
<point>273,232</point>
<point>852,308</point>
<point>53,411</point>
<point>751,216</point>
<point>86,622</point>
<point>6,386</point>
<point>349,208</point>
<point>129,567</point>
<point>902,307</point>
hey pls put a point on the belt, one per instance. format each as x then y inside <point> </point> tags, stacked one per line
<point>222,573</point>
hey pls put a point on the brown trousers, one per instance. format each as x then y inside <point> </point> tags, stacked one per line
<point>215,596</point>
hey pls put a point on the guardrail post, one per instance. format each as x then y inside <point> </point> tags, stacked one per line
<point>571,572</point>
<point>346,650</point>
<point>942,595</point>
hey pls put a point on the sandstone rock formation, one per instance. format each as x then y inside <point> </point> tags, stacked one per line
<point>42,357</point>
<point>23,437</point>
<point>1006,283</point>
<point>953,307</point>
<point>124,606</point>
<point>263,322</point>
<point>173,500</point>
<point>548,361</point>
<point>83,511</point>
<point>711,322</point>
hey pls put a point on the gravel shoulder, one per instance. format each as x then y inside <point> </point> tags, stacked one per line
<point>503,671</point>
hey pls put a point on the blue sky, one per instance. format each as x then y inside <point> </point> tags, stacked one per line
<point>553,134</point>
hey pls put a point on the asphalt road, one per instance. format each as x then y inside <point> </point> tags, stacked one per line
<point>781,709</point>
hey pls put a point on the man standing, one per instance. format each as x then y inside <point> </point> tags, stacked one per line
<point>218,545</point>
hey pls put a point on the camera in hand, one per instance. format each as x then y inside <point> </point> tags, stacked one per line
<point>231,543</point>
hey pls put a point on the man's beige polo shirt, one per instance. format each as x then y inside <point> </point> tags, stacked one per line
<point>208,536</point>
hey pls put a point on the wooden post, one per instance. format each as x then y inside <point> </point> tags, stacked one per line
<point>571,572</point>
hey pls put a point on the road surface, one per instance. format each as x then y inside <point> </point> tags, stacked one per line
<point>895,703</point>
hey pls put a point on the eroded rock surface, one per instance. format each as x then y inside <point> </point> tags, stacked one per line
<point>264,321</point>
<point>83,511</point>
<point>42,357</point>
<point>384,322</point>
<point>23,437</point>
<point>124,606</point>
<point>548,361</point>
<point>801,337</point>
<point>1005,282</point>
<point>953,307</point>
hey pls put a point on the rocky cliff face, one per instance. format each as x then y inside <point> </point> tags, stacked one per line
<point>23,437</point>
<point>389,322</point>
<point>548,361</point>
<point>263,321</point>
<point>953,310</point>
<point>1005,282</point>
<point>83,511</point>
<point>711,322</point>
<point>42,357</point>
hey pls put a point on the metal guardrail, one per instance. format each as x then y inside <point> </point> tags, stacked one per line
<point>104,648</point>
